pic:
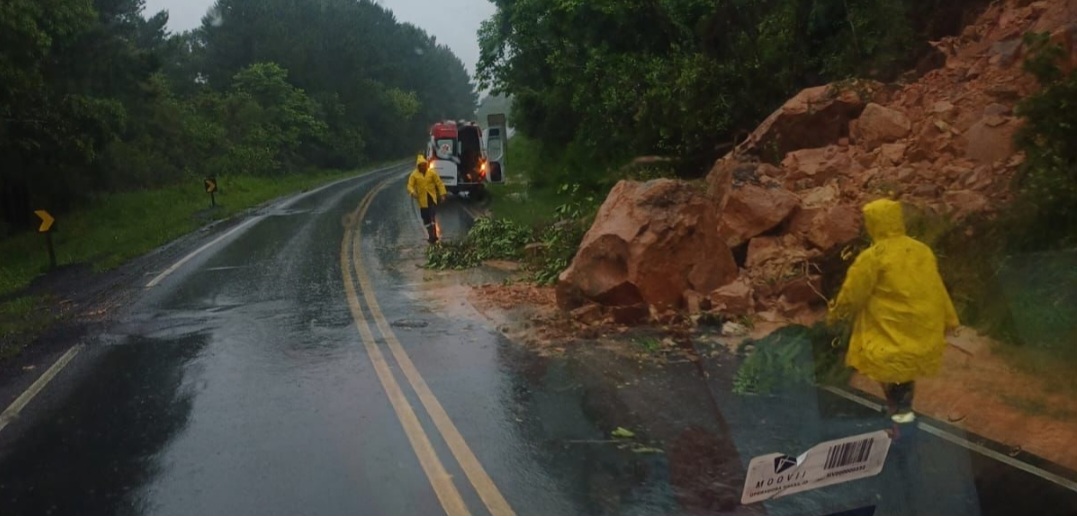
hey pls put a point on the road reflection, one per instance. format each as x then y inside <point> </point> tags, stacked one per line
<point>102,442</point>
<point>680,459</point>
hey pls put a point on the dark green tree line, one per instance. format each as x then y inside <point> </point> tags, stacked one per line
<point>94,96</point>
<point>612,80</point>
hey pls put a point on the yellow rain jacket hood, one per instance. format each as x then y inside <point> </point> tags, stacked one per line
<point>895,297</point>
<point>427,186</point>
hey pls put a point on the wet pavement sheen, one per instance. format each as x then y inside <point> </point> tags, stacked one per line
<point>240,385</point>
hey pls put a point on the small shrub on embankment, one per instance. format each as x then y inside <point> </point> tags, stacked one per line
<point>1014,275</point>
<point>556,232</point>
<point>504,239</point>
<point>790,357</point>
<point>488,239</point>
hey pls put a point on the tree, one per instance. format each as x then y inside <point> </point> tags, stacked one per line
<point>607,81</point>
<point>1048,181</point>
<point>97,97</point>
<point>379,81</point>
<point>49,124</point>
<point>267,120</point>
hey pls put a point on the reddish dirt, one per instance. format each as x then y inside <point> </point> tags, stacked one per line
<point>984,393</point>
<point>526,313</point>
<point>514,295</point>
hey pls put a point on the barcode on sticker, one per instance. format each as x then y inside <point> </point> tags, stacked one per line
<point>847,454</point>
<point>842,460</point>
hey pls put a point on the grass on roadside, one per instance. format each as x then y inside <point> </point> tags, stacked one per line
<point>518,201</point>
<point>1026,301</point>
<point>558,232</point>
<point>21,320</point>
<point>114,228</point>
<point>792,357</point>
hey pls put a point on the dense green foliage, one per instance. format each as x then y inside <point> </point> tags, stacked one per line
<point>1048,183</point>
<point>792,357</point>
<point>557,235</point>
<point>98,98</point>
<point>1014,276</point>
<point>601,82</point>
<point>488,239</point>
<point>111,228</point>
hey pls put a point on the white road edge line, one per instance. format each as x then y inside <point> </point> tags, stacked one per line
<point>13,410</point>
<point>965,443</point>
<point>168,272</point>
<point>296,198</point>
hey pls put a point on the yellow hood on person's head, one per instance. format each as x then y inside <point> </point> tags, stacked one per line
<point>884,219</point>
<point>420,160</point>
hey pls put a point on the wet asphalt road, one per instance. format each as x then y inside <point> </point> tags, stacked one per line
<point>249,382</point>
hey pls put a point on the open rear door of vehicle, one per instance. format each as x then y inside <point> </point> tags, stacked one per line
<point>496,147</point>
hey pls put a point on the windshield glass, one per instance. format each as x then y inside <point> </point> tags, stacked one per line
<point>536,257</point>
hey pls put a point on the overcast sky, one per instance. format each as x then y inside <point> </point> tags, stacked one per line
<point>452,22</point>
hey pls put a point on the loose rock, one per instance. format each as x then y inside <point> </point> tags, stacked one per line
<point>649,244</point>
<point>879,125</point>
<point>754,210</point>
<point>733,299</point>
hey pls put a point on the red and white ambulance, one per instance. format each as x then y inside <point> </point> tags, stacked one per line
<point>457,151</point>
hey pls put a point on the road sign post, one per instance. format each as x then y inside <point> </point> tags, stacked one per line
<point>46,227</point>
<point>52,250</point>
<point>211,188</point>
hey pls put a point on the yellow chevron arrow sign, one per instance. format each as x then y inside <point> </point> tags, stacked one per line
<point>46,221</point>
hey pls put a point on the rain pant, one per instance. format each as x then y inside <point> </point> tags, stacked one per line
<point>895,297</point>
<point>425,187</point>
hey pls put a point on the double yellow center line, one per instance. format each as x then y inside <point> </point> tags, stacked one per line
<point>440,480</point>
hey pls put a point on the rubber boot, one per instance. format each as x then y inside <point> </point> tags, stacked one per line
<point>901,422</point>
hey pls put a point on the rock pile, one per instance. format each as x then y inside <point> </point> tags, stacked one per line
<point>786,201</point>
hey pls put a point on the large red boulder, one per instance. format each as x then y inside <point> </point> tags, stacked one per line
<point>815,117</point>
<point>753,210</point>
<point>720,179</point>
<point>650,243</point>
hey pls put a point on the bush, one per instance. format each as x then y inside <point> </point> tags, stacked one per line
<point>1022,298</point>
<point>562,239</point>
<point>488,239</point>
<point>505,239</point>
<point>1047,185</point>
<point>790,357</point>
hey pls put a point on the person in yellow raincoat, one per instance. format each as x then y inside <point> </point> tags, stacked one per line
<point>426,187</point>
<point>899,307</point>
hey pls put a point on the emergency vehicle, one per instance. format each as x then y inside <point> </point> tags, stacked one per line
<point>458,152</point>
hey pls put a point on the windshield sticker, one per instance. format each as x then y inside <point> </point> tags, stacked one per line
<point>833,462</point>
